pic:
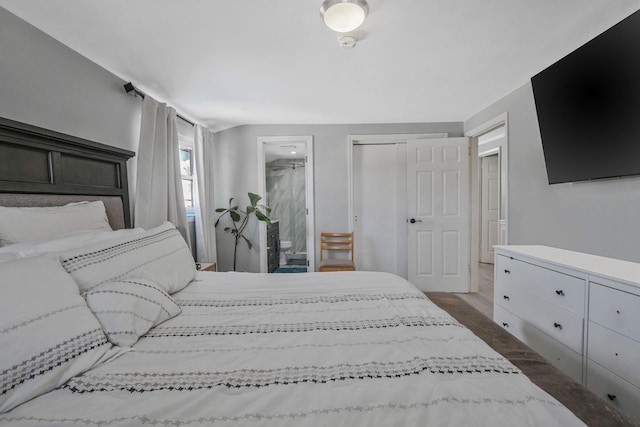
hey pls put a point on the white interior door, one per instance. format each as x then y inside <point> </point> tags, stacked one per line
<point>438,208</point>
<point>379,204</point>
<point>489,206</point>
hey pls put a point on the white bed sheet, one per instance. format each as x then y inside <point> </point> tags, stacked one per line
<point>317,349</point>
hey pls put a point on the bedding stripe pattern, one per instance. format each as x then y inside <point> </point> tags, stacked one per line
<point>140,383</point>
<point>47,332</point>
<point>159,255</point>
<point>298,300</point>
<point>351,325</point>
<point>127,309</point>
<point>50,358</point>
<point>87,259</point>
<point>360,349</point>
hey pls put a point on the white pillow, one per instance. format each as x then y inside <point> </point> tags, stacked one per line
<point>65,242</point>
<point>47,332</point>
<point>160,255</point>
<point>27,224</point>
<point>127,309</point>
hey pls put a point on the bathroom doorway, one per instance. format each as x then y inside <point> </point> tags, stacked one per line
<point>286,183</point>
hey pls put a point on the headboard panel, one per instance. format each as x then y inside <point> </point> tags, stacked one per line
<point>36,161</point>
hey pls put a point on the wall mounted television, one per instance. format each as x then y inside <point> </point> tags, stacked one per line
<point>588,106</point>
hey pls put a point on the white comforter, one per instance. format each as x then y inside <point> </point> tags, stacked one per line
<point>318,349</point>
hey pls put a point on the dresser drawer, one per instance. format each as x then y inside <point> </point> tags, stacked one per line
<point>557,288</point>
<point>559,355</point>
<point>563,325</point>
<point>613,389</point>
<point>617,310</point>
<point>621,355</point>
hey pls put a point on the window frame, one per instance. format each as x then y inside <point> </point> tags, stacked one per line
<point>186,143</point>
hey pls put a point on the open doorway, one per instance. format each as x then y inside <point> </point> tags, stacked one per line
<point>489,193</point>
<point>489,206</point>
<point>285,176</point>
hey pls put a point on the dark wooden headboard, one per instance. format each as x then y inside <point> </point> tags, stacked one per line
<point>36,161</point>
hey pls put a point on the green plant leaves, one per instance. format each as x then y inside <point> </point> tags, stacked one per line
<point>254,199</point>
<point>248,242</point>
<point>240,219</point>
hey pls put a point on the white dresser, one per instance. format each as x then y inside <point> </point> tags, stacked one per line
<point>581,312</point>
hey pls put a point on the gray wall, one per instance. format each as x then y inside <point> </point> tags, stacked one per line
<point>598,217</point>
<point>46,84</point>
<point>236,157</point>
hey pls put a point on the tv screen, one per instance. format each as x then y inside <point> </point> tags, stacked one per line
<point>588,106</point>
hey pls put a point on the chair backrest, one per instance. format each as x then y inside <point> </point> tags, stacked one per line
<point>336,242</point>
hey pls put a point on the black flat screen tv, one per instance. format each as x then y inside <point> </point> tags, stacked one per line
<point>588,106</point>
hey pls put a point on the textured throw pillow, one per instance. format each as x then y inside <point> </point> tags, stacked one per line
<point>159,254</point>
<point>127,309</point>
<point>47,332</point>
<point>26,224</point>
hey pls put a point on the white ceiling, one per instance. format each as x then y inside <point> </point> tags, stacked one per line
<point>229,62</point>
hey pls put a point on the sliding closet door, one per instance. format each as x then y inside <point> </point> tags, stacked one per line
<point>379,200</point>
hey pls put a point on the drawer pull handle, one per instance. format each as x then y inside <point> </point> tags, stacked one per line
<point>611,397</point>
<point>557,325</point>
<point>560,292</point>
<point>506,325</point>
<point>507,271</point>
<point>506,297</point>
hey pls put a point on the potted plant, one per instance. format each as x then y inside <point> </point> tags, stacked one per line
<point>240,219</point>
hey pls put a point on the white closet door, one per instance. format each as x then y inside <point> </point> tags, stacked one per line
<point>377,219</point>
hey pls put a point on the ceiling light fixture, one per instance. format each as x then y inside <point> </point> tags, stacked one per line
<point>344,15</point>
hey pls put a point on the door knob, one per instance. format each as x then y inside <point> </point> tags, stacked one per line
<point>413,220</point>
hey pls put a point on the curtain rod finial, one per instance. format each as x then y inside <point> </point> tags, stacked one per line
<point>129,88</point>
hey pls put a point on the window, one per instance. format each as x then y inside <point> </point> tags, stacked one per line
<point>186,170</point>
<point>185,140</point>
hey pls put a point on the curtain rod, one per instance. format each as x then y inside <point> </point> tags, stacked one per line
<point>129,87</point>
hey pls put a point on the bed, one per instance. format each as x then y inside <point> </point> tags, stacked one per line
<point>117,328</point>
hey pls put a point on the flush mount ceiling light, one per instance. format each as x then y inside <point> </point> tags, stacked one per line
<point>344,15</point>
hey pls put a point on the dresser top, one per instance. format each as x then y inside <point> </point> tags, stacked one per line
<point>609,268</point>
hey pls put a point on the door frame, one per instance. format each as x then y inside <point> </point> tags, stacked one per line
<point>308,188</point>
<point>500,147</point>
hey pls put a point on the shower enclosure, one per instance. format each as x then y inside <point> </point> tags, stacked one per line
<point>285,182</point>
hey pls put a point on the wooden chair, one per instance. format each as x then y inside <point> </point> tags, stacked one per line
<point>335,243</point>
